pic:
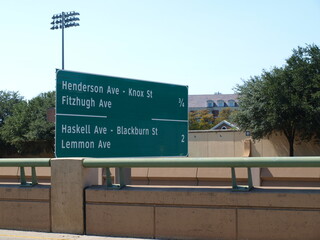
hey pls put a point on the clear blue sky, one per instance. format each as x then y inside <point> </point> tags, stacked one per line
<point>209,45</point>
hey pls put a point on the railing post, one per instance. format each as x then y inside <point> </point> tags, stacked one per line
<point>34,176</point>
<point>23,180</point>
<point>108,178</point>
<point>235,186</point>
<point>250,185</point>
<point>234,179</point>
<point>123,176</point>
<point>256,178</point>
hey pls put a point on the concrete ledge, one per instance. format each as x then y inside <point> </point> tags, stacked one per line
<point>139,176</point>
<point>25,208</point>
<point>17,192</point>
<point>295,173</point>
<point>207,196</point>
<point>298,177</point>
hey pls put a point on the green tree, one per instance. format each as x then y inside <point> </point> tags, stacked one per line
<point>284,99</point>
<point>7,100</point>
<point>225,114</point>
<point>28,122</point>
<point>39,127</point>
<point>201,120</point>
<point>204,119</point>
<point>15,128</point>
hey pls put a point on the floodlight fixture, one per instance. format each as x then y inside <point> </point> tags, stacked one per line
<point>64,20</point>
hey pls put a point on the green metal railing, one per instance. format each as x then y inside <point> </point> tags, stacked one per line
<point>121,163</point>
<point>26,162</point>
<point>234,162</point>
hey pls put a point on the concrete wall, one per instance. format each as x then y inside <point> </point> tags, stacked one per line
<point>25,208</point>
<point>204,213</point>
<point>231,144</point>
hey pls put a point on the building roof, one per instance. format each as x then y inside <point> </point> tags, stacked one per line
<point>224,123</point>
<point>196,101</point>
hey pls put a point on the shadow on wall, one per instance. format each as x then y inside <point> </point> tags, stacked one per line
<point>281,147</point>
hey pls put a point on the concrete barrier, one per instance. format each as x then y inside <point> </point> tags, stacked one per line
<point>203,213</point>
<point>25,208</point>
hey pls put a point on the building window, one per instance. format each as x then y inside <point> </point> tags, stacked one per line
<point>220,103</point>
<point>209,103</point>
<point>231,103</point>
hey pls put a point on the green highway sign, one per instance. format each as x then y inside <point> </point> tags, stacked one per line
<point>103,116</point>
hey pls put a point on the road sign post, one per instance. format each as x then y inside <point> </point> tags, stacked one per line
<point>103,116</point>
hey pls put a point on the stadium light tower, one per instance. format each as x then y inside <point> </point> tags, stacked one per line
<point>64,20</point>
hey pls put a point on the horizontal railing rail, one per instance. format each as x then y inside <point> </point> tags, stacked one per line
<point>223,162</point>
<point>204,162</point>
<point>26,162</point>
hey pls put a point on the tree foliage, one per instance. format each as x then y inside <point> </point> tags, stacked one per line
<point>201,120</point>
<point>225,114</point>
<point>204,119</point>
<point>39,127</point>
<point>7,100</point>
<point>284,99</point>
<point>28,123</point>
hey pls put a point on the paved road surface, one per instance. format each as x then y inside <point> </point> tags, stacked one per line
<point>25,235</point>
